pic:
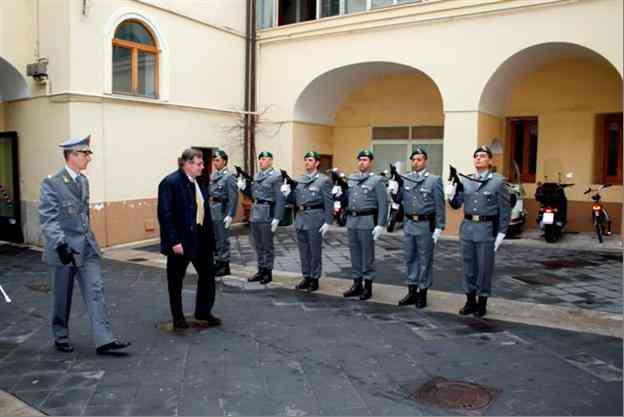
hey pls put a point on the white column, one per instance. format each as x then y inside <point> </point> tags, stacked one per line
<point>460,140</point>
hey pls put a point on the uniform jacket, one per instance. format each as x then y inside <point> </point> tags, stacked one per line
<point>64,216</point>
<point>366,191</point>
<point>266,186</point>
<point>312,190</point>
<point>487,198</point>
<point>177,215</point>
<point>223,194</point>
<point>420,196</point>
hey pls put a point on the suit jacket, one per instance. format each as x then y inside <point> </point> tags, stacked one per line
<point>177,215</point>
<point>64,216</point>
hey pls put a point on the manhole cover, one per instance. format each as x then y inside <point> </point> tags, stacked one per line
<point>565,263</point>
<point>44,288</point>
<point>138,259</point>
<point>454,394</point>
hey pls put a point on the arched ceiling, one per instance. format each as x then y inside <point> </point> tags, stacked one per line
<point>320,100</point>
<point>521,64</point>
<point>12,83</point>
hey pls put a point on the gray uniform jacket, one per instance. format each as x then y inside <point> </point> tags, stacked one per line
<point>266,187</point>
<point>312,191</point>
<point>64,217</point>
<point>488,198</point>
<point>366,191</point>
<point>223,195</point>
<point>421,196</point>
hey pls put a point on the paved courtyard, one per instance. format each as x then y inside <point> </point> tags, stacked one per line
<point>568,278</point>
<point>280,352</point>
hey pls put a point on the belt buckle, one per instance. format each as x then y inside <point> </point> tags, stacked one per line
<point>354,213</point>
<point>302,208</point>
<point>476,218</point>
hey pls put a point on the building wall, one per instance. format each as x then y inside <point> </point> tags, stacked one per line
<point>309,137</point>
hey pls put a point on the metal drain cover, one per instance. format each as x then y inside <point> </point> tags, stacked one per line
<point>138,259</point>
<point>454,394</point>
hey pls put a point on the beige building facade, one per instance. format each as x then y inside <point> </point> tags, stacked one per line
<point>541,80</point>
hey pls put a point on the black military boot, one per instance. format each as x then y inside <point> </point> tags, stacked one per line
<point>368,290</point>
<point>223,269</point>
<point>422,298</point>
<point>481,307</point>
<point>258,277</point>
<point>268,277</point>
<point>470,306</point>
<point>304,284</point>
<point>411,297</point>
<point>313,285</point>
<point>355,290</point>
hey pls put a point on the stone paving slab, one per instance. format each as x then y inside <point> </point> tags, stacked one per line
<point>585,279</point>
<point>282,352</point>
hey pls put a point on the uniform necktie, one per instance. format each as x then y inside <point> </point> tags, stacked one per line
<point>200,205</point>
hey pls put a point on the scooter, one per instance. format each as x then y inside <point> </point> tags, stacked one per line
<point>553,211</point>
<point>600,217</point>
<point>518,214</point>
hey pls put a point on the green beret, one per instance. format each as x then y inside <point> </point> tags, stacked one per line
<point>265,154</point>
<point>419,151</point>
<point>483,148</point>
<point>366,153</point>
<point>312,154</point>
<point>221,154</point>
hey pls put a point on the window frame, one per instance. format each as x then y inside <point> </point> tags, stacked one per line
<point>525,175</point>
<point>605,178</point>
<point>134,48</point>
<point>408,142</point>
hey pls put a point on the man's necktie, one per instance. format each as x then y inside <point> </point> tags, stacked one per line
<point>200,205</point>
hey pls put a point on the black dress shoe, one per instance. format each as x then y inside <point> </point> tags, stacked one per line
<point>114,345</point>
<point>223,269</point>
<point>65,347</point>
<point>268,277</point>
<point>258,277</point>
<point>313,285</point>
<point>208,321</point>
<point>180,324</point>
<point>304,284</point>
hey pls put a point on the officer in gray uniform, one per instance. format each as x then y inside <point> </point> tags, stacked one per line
<point>367,212</point>
<point>422,197</point>
<point>71,249</point>
<point>314,207</point>
<point>486,216</point>
<point>223,203</point>
<point>266,212</point>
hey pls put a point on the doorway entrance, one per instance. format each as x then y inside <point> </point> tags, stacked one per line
<point>10,211</point>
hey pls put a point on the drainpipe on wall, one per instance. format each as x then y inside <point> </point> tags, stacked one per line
<point>249,147</point>
<point>246,108</point>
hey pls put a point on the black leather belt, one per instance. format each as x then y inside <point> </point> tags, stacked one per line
<point>258,201</point>
<point>479,218</point>
<point>356,213</point>
<point>420,217</point>
<point>315,207</point>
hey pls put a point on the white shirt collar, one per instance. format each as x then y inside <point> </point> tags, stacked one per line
<point>73,174</point>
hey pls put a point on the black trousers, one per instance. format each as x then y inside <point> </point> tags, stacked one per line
<point>205,296</point>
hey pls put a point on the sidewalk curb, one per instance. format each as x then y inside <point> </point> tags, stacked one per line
<point>545,315</point>
<point>11,406</point>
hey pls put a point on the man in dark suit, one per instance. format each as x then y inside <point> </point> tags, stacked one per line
<point>186,236</point>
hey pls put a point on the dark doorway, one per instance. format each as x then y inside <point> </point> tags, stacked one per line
<point>10,211</point>
<point>208,153</point>
<point>327,162</point>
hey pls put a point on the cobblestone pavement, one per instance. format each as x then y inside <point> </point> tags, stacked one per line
<point>569,278</point>
<point>281,352</point>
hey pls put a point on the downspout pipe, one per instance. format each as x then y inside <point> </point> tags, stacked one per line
<point>246,136</point>
<point>252,89</point>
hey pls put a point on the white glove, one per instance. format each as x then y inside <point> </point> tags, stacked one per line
<point>227,222</point>
<point>274,224</point>
<point>393,187</point>
<point>285,189</point>
<point>451,189</point>
<point>241,183</point>
<point>323,230</point>
<point>499,241</point>
<point>377,232</point>
<point>436,235</point>
<point>337,191</point>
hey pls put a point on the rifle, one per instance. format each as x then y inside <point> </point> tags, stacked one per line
<point>454,178</point>
<point>241,173</point>
<point>396,212</point>
<point>288,180</point>
<point>340,203</point>
<point>6,297</point>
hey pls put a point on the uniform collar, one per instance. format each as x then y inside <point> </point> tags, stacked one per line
<point>422,173</point>
<point>73,174</point>
<point>314,174</point>
<point>486,175</point>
